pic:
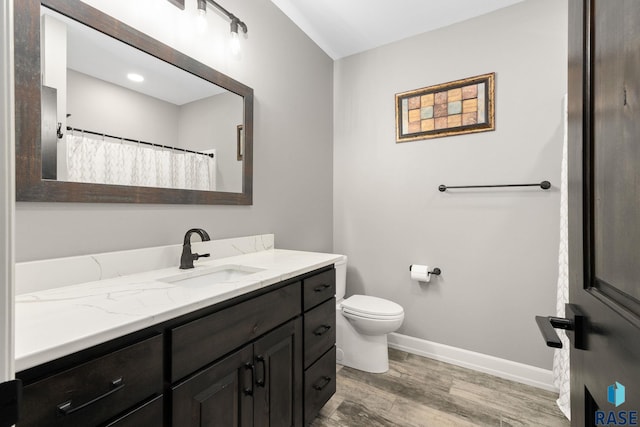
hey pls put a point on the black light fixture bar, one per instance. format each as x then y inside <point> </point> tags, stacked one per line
<point>235,21</point>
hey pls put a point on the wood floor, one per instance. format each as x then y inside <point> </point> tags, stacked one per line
<point>423,392</point>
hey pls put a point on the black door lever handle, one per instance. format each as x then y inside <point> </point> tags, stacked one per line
<point>575,324</point>
<point>547,327</point>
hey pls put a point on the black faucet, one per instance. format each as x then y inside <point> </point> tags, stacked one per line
<point>187,258</point>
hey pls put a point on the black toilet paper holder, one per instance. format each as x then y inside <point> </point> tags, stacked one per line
<point>436,271</point>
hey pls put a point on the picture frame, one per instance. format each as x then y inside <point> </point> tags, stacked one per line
<point>446,109</point>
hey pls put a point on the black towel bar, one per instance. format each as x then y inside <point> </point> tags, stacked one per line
<point>545,185</point>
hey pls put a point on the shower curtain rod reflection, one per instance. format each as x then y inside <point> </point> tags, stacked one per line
<point>104,135</point>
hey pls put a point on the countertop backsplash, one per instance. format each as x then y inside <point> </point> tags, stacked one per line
<point>34,276</point>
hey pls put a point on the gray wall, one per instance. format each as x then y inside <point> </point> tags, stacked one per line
<point>101,106</point>
<point>292,145</point>
<point>498,250</point>
<point>212,123</point>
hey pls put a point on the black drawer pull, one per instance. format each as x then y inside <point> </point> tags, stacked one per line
<point>66,408</point>
<point>321,288</point>
<point>261,381</point>
<point>250,367</point>
<point>325,382</point>
<point>321,330</point>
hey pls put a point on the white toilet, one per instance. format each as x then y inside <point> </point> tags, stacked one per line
<point>362,325</point>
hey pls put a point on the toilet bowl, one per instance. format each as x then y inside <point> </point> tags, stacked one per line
<point>362,325</point>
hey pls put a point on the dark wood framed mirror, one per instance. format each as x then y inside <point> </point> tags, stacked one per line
<point>35,180</point>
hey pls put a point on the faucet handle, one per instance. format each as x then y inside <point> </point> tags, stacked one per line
<point>196,256</point>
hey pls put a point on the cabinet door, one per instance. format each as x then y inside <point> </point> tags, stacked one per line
<point>278,362</point>
<point>218,396</point>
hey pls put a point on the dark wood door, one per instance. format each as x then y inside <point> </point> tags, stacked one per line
<point>278,391</point>
<point>219,396</point>
<point>604,209</point>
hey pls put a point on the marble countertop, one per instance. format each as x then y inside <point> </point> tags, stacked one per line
<point>56,322</point>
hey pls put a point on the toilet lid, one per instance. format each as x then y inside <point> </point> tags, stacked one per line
<point>372,306</point>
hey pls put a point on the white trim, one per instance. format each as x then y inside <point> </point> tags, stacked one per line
<point>7,193</point>
<point>503,368</point>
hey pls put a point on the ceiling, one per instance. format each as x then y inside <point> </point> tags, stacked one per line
<point>340,27</point>
<point>98,55</point>
<point>345,27</point>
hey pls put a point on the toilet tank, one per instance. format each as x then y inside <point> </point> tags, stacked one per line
<point>341,277</point>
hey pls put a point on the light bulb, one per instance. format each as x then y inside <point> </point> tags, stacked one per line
<point>201,22</point>
<point>201,17</point>
<point>235,43</point>
<point>235,37</point>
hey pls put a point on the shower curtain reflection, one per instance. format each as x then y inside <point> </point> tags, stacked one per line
<point>118,162</point>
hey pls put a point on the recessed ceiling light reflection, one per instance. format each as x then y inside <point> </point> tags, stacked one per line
<point>135,77</point>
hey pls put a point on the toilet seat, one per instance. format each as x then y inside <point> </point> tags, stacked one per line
<point>369,307</point>
<point>351,314</point>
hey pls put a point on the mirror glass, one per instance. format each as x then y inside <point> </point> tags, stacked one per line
<point>113,114</point>
<point>106,114</point>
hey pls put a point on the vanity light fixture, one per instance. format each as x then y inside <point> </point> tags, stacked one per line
<point>201,18</point>
<point>135,77</point>
<point>235,37</point>
<point>202,7</point>
<point>235,23</point>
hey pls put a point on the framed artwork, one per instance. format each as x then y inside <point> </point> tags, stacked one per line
<point>458,107</point>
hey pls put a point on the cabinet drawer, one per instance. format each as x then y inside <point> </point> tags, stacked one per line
<point>150,414</point>
<point>205,340</point>
<point>96,391</point>
<point>319,384</point>
<point>319,331</point>
<point>319,288</point>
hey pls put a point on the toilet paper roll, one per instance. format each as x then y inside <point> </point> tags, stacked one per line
<point>420,273</point>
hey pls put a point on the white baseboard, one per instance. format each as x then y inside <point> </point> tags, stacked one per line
<point>503,368</point>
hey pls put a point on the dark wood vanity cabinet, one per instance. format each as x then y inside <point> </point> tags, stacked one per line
<point>278,382</point>
<point>116,386</point>
<point>260,384</point>
<point>221,394</point>
<point>201,341</point>
<point>148,414</point>
<point>319,306</point>
<point>266,360</point>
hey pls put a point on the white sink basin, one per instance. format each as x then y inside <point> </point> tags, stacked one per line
<point>211,276</point>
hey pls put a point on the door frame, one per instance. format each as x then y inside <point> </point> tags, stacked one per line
<point>579,130</point>
<point>7,194</point>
